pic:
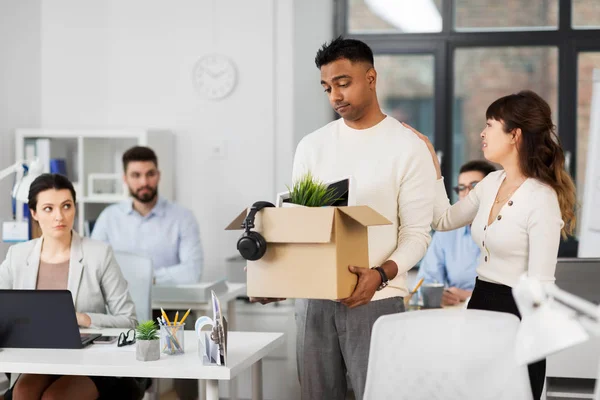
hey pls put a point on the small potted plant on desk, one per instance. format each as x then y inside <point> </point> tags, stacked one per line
<point>310,192</point>
<point>147,342</point>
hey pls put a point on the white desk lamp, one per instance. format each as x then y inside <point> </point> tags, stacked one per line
<point>20,191</point>
<point>18,230</point>
<point>552,320</point>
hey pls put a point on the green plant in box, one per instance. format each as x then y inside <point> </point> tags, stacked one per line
<point>147,330</point>
<point>310,192</point>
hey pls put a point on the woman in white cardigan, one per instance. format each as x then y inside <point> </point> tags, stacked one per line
<point>61,259</point>
<point>517,214</point>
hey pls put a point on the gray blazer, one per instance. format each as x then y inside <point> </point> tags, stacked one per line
<point>95,279</point>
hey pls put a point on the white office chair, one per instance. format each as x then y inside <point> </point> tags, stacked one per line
<point>138,273</point>
<point>446,354</point>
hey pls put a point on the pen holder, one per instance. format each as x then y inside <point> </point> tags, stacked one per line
<point>171,339</point>
<point>413,301</point>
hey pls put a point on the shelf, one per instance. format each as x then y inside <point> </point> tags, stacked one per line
<point>84,133</point>
<point>103,198</point>
<point>96,151</point>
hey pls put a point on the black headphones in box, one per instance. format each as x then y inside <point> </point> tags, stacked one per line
<point>251,245</point>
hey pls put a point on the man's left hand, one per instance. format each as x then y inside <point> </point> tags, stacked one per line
<point>368,282</point>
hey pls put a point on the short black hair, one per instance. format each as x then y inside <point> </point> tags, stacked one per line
<point>139,153</point>
<point>350,49</point>
<point>46,182</point>
<point>479,166</point>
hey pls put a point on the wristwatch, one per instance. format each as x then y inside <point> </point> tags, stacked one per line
<point>384,278</point>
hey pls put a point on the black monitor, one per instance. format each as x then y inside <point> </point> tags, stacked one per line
<point>579,276</point>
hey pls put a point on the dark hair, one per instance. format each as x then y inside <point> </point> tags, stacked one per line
<point>139,153</point>
<point>478,166</point>
<point>350,49</point>
<point>540,153</point>
<point>46,182</point>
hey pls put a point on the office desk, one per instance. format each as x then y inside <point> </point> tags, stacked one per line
<point>245,350</point>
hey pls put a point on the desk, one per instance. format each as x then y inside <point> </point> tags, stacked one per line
<point>245,350</point>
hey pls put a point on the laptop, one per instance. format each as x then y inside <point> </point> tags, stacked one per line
<point>41,319</point>
<point>579,276</point>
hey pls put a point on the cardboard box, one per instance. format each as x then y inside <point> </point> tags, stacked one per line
<point>309,250</point>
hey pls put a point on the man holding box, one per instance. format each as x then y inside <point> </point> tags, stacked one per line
<point>394,176</point>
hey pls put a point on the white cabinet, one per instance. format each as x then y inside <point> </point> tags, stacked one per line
<point>89,154</point>
<point>280,379</point>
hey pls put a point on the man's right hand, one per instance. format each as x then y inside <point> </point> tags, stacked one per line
<point>264,300</point>
<point>454,296</point>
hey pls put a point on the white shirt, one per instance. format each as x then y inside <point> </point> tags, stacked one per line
<point>393,174</point>
<point>524,237</point>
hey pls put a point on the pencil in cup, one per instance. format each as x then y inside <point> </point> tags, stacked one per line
<point>172,339</point>
<point>181,322</point>
<point>172,333</point>
<point>161,324</point>
<point>410,295</point>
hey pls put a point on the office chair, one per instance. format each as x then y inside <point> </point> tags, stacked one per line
<point>446,354</point>
<point>138,273</point>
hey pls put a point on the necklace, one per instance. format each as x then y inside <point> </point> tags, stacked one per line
<point>498,201</point>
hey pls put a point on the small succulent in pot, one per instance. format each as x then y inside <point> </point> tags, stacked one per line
<point>147,342</point>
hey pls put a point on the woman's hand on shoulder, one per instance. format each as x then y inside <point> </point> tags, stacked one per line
<point>430,147</point>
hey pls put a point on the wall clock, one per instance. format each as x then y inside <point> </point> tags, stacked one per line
<point>214,76</point>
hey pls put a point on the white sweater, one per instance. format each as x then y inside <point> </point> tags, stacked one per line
<point>393,174</point>
<point>524,237</point>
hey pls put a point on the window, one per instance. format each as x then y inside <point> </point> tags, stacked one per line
<point>493,15</point>
<point>400,16</point>
<point>586,14</point>
<point>405,87</point>
<point>586,64</point>
<point>482,75</point>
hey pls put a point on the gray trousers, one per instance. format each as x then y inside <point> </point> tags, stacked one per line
<point>332,342</point>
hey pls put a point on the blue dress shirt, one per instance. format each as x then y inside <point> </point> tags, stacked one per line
<point>169,235</point>
<point>451,259</point>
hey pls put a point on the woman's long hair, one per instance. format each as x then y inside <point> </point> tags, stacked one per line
<point>540,154</point>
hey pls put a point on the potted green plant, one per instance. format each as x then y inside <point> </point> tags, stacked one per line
<point>310,192</point>
<point>147,342</point>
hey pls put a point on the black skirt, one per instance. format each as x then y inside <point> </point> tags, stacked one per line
<point>110,388</point>
<point>496,297</point>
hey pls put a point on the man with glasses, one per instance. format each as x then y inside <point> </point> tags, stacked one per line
<point>452,256</point>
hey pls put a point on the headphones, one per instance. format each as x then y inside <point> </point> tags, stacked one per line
<point>251,245</point>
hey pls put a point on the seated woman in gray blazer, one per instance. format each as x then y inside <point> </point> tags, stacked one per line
<point>61,259</point>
